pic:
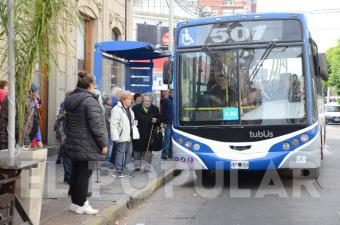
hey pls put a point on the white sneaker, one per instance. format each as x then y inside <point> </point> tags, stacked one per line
<point>74,207</point>
<point>86,209</point>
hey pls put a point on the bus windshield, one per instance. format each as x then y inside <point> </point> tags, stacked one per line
<point>249,86</point>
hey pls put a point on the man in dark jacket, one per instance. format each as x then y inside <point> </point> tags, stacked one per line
<point>86,139</point>
<point>167,117</point>
<point>148,117</point>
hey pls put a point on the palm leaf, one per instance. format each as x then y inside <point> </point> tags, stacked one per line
<point>36,23</point>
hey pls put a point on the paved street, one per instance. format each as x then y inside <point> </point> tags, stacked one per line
<point>185,201</point>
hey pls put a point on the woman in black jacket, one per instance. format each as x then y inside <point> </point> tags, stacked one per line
<point>86,139</point>
<point>147,115</point>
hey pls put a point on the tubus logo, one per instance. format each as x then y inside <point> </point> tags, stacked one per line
<point>261,134</point>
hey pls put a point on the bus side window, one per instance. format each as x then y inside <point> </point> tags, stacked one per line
<point>313,73</point>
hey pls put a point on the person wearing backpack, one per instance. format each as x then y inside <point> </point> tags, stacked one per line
<point>108,108</point>
<point>60,132</point>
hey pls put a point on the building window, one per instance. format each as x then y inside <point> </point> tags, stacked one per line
<point>84,44</point>
<point>81,44</point>
<point>116,68</point>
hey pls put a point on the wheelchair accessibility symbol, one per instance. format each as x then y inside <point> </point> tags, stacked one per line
<point>186,38</point>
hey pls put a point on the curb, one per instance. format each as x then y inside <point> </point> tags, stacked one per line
<point>112,213</point>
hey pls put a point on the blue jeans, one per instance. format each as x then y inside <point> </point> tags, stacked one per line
<point>109,149</point>
<point>113,153</point>
<point>67,169</point>
<point>67,163</point>
<point>167,145</point>
<point>123,155</point>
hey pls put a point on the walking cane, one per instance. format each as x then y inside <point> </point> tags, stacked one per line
<point>147,148</point>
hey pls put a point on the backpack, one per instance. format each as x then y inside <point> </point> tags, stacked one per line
<point>60,127</point>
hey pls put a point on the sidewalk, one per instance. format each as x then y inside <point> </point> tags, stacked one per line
<point>111,195</point>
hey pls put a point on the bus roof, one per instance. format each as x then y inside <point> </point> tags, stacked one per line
<point>243,17</point>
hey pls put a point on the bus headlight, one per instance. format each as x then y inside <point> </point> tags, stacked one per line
<point>286,146</point>
<point>196,147</point>
<point>188,144</point>
<point>295,142</point>
<point>304,138</point>
<point>180,139</point>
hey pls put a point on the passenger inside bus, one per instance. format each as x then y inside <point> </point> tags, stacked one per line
<point>211,86</point>
<point>223,94</point>
<point>205,101</point>
<point>294,89</point>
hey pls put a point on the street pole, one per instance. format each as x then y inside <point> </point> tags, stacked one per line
<point>171,26</point>
<point>11,77</point>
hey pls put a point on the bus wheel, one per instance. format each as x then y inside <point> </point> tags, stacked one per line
<point>312,173</point>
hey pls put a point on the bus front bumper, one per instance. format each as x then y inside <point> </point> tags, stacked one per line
<point>305,158</point>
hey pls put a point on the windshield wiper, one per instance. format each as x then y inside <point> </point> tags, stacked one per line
<point>264,56</point>
<point>208,51</point>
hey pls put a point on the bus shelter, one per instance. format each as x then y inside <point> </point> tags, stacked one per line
<point>137,57</point>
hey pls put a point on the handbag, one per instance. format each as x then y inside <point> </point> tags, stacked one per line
<point>135,132</point>
<point>157,140</point>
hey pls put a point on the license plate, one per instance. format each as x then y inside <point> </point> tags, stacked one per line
<point>241,165</point>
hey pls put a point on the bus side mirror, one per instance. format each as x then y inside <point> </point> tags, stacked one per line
<point>323,65</point>
<point>168,72</point>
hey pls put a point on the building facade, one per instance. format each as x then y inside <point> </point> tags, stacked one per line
<point>100,20</point>
<point>151,24</point>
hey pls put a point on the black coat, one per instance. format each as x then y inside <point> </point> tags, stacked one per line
<point>85,127</point>
<point>108,109</point>
<point>144,125</point>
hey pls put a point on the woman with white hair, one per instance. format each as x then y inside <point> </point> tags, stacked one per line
<point>148,117</point>
<point>122,120</point>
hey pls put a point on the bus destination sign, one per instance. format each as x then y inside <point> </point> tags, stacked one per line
<point>240,32</point>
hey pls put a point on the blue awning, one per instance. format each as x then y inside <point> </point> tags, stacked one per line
<point>131,50</point>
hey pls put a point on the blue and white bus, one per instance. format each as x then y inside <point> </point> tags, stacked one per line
<point>248,94</point>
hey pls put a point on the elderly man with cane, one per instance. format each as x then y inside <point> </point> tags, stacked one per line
<point>148,118</point>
